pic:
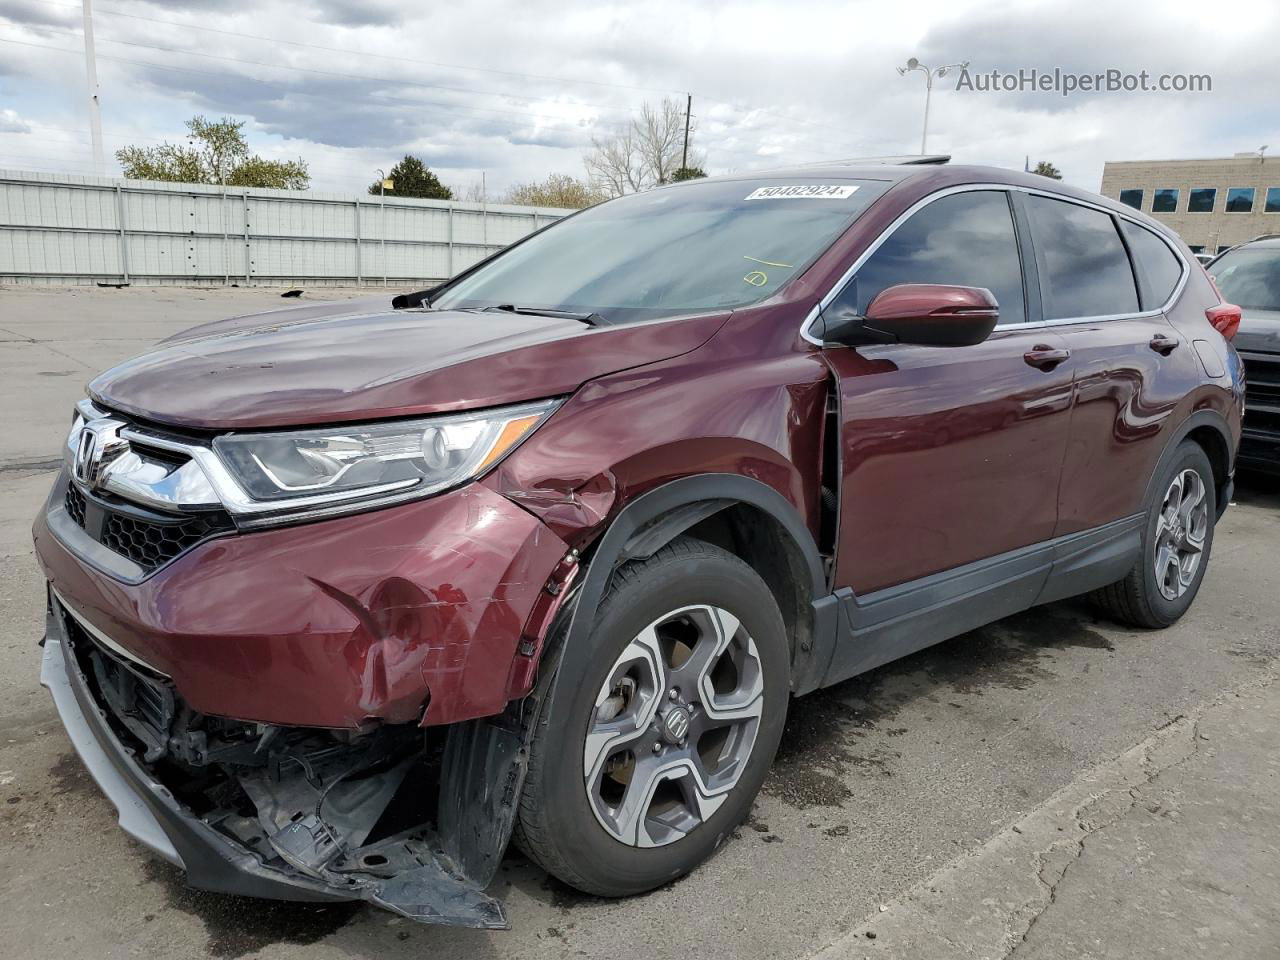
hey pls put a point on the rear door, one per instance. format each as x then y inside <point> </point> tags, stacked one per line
<point>949,455</point>
<point>1131,366</point>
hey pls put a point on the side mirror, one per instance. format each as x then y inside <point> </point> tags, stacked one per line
<point>929,314</point>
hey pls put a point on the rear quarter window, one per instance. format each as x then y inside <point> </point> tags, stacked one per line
<point>1084,269</point>
<point>1157,268</point>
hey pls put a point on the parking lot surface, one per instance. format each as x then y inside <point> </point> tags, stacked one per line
<point>1050,786</point>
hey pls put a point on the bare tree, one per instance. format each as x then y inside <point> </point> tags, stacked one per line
<point>645,155</point>
<point>614,166</point>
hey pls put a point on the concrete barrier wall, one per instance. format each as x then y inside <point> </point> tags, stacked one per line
<point>64,229</point>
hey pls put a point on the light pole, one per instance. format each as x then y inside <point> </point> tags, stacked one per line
<point>91,78</point>
<point>929,74</point>
<point>382,222</point>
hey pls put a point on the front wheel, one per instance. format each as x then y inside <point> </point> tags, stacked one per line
<point>1176,542</point>
<point>667,740</point>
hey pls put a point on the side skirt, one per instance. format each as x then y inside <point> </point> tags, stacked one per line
<point>896,621</point>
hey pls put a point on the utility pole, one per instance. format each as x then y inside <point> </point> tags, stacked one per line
<point>688,107</point>
<point>91,76</point>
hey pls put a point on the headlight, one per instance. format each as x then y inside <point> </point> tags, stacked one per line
<point>404,458</point>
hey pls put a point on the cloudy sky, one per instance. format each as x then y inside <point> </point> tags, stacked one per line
<point>518,89</point>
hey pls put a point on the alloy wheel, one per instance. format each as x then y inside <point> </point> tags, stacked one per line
<point>673,726</point>
<point>1180,533</point>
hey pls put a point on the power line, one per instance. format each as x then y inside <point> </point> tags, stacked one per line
<point>379,56</point>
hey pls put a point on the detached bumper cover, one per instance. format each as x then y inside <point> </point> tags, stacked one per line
<point>426,890</point>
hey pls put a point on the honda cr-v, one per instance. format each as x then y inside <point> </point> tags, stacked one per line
<point>341,597</point>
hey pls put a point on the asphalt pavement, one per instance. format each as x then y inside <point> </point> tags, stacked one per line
<point>1050,786</point>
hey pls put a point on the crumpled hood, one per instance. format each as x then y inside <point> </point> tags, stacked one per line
<point>1259,331</point>
<point>362,360</point>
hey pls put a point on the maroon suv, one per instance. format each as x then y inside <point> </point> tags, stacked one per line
<point>342,596</point>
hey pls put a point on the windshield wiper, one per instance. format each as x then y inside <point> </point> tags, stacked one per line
<point>590,319</point>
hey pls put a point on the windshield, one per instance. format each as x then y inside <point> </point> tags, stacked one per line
<point>695,247</point>
<point>1249,277</point>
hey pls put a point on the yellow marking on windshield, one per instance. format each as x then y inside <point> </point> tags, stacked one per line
<point>756,278</point>
<point>767,263</point>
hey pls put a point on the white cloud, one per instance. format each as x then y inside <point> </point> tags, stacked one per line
<point>10,122</point>
<point>518,89</point>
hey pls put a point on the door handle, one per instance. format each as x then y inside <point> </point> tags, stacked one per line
<point>1164,344</point>
<point>1046,358</point>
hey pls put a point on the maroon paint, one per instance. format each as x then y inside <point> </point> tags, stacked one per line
<point>732,406</point>
<point>331,623</point>
<point>1132,393</point>
<point>947,454</point>
<point>330,365</point>
<point>934,313</point>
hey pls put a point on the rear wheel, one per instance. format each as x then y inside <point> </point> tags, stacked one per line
<point>667,740</point>
<point>1175,547</point>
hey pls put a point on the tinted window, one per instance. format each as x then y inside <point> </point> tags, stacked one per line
<point>1201,200</point>
<point>1273,200</point>
<point>1164,201</point>
<point>965,239</point>
<point>1158,269</point>
<point>700,246</point>
<point>1240,200</point>
<point>1249,277</point>
<point>1084,270</point>
<point>1132,197</point>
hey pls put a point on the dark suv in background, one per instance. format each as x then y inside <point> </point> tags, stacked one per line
<point>342,596</point>
<point>1249,276</point>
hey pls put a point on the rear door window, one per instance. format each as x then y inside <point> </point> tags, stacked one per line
<point>1084,270</point>
<point>1157,268</point>
<point>965,239</point>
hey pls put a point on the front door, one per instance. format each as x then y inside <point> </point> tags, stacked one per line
<point>949,456</point>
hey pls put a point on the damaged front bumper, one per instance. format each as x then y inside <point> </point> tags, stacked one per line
<point>292,813</point>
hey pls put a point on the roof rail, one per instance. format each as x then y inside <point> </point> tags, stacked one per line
<point>902,161</point>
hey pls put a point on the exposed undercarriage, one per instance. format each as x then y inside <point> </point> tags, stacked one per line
<point>412,819</point>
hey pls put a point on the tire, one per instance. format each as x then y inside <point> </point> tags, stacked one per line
<point>1139,599</point>
<point>565,823</point>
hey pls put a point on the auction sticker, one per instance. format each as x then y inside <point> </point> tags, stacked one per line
<point>803,191</point>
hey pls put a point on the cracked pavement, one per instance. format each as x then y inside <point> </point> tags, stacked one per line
<point>1165,850</point>
<point>1051,786</point>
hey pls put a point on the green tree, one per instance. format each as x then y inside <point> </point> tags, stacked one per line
<point>411,178</point>
<point>1046,169</point>
<point>688,173</point>
<point>558,190</point>
<point>216,152</point>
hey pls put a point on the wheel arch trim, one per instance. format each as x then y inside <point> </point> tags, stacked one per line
<point>1199,419</point>
<point>657,517</point>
